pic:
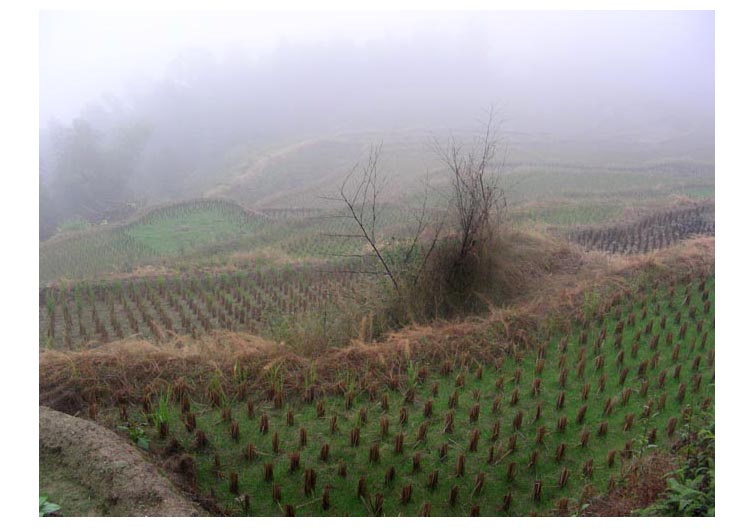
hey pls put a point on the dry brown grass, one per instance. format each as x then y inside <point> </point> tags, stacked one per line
<point>644,481</point>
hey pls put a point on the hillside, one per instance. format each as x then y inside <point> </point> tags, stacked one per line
<point>535,168</point>
<point>241,344</point>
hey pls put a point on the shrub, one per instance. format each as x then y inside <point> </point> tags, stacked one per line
<point>691,487</point>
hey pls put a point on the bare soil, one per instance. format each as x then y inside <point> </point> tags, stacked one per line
<point>644,484</point>
<point>90,471</point>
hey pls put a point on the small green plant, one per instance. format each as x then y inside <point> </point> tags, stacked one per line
<point>215,391</point>
<point>240,373</point>
<point>137,436</point>
<point>160,413</point>
<point>311,375</point>
<point>691,488</point>
<point>590,302</point>
<point>685,498</point>
<point>47,508</point>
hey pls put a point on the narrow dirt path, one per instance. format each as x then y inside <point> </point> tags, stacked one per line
<point>91,471</point>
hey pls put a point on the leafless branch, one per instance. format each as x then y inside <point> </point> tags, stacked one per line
<point>476,189</point>
<point>365,196</point>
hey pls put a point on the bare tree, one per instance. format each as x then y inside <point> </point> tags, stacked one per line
<point>361,192</point>
<point>426,275</point>
<point>362,203</point>
<point>476,185</point>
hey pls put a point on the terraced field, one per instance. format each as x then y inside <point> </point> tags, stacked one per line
<point>156,309</point>
<point>653,232</point>
<point>208,234</point>
<point>196,240</point>
<point>164,232</point>
<point>538,429</point>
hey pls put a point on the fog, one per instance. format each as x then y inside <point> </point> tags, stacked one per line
<point>155,107</point>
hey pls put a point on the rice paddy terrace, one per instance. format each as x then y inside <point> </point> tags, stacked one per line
<point>168,231</point>
<point>540,429</point>
<point>652,232</point>
<point>192,297</point>
<point>540,425</point>
<point>204,234</point>
<point>158,309</point>
<point>91,295</point>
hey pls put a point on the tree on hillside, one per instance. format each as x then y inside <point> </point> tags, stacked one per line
<point>476,185</point>
<point>475,197</point>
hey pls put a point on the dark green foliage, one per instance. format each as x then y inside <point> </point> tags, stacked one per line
<point>691,488</point>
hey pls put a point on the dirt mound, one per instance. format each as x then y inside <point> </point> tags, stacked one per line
<point>91,471</point>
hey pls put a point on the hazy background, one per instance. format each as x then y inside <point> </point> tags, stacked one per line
<point>268,108</point>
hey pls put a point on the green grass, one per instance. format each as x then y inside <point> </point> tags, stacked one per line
<point>343,490</point>
<point>182,233</point>
<point>569,214</point>
<point>161,237</point>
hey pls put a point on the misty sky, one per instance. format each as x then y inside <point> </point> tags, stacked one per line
<point>549,68</point>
